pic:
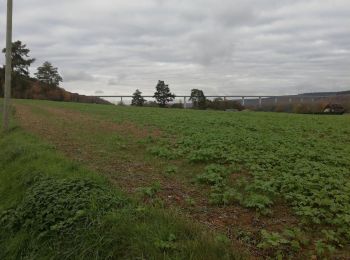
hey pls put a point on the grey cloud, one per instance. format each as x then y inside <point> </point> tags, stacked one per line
<point>71,76</point>
<point>228,47</point>
<point>113,82</point>
<point>117,80</point>
<point>212,46</point>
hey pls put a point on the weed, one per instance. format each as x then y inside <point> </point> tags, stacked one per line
<point>163,152</point>
<point>171,170</point>
<point>149,192</point>
<point>323,249</point>
<point>246,237</point>
<point>223,239</point>
<point>288,242</point>
<point>167,244</point>
<point>190,201</point>
<point>214,174</point>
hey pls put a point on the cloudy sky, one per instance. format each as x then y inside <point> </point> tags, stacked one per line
<point>243,47</point>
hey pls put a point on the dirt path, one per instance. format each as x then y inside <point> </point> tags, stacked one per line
<point>86,139</point>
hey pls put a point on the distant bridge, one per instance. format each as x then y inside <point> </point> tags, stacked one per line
<point>243,99</point>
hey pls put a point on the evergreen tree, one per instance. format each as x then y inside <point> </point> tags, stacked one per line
<point>198,99</point>
<point>137,99</point>
<point>49,74</point>
<point>20,58</point>
<point>163,94</point>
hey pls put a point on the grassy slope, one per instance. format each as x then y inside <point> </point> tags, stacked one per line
<point>42,216</point>
<point>300,158</point>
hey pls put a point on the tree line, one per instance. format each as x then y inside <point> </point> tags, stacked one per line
<point>163,97</point>
<point>50,77</point>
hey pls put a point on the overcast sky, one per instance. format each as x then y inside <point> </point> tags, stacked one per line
<point>241,47</point>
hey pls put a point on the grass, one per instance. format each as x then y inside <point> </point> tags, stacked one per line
<point>284,168</point>
<point>53,208</point>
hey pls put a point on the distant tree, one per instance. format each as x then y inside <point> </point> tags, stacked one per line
<point>20,58</point>
<point>163,94</point>
<point>48,75</point>
<point>137,99</point>
<point>198,99</point>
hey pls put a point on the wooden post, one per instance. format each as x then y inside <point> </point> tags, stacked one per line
<point>8,68</point>
<point>276,100</point>
<point>243,101</point>
<point>260,102</point>
<point>184,102</point>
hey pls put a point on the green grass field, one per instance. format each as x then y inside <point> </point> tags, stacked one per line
<point>151,183</point>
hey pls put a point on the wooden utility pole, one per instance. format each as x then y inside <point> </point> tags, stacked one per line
<point>8,68</point>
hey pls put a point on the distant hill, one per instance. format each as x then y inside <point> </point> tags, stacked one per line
<point>30,88</point>
<point>339,93</point>
<point>303,103</point>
